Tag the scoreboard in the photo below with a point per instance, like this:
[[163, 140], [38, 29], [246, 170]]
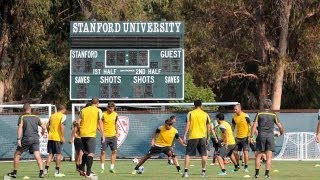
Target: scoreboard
[[126, 60]]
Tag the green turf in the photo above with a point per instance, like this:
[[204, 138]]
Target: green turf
[[161, 170]]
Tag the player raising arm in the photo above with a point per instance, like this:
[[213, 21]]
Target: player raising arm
[[265, 121], [161, 142]]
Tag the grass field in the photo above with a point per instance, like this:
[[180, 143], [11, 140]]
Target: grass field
[[159, 169]]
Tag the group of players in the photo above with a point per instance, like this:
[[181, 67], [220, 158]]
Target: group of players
[[225, 144], [83, 136], [198, 127]]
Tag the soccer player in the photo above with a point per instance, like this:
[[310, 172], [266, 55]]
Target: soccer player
[[198, 126], [265, 121], [228, 143], [241, 122], [28, 139], [76, 139], [88, 122], [110, 130], [215, 140], [55, 129], [161, 142]]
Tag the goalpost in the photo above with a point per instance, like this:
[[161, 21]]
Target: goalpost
[[9, 115], [137, 121], [299, 146]]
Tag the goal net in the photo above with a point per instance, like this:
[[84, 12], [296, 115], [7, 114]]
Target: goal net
[[9, 115], [137, 122], [299, 146]]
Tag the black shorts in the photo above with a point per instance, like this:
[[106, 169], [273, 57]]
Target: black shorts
[[54, 147], [242, 144], [196, 144], [154, 150], [224, 152], [216, 145], [111, 142], [265, 142], [78, 144], [31, 144], [89, 144]]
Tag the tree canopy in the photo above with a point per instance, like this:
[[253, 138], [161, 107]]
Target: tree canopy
[[237, 50]]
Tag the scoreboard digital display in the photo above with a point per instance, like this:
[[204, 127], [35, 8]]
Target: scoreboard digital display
[[127, 65]]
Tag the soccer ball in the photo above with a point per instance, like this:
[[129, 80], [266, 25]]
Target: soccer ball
[[140, 170], [135, 161], [276, 133]]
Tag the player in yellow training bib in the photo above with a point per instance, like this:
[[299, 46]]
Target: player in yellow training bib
[[198, 126], [88, 123], [161, 142], [110, 130], [241, 122], [55, 128]]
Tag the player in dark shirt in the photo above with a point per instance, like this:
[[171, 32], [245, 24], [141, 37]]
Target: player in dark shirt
[[28, 139], [265, 121]]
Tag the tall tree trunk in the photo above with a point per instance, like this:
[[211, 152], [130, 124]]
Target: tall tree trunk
[[285, 8], [260, 39], [4, 40]]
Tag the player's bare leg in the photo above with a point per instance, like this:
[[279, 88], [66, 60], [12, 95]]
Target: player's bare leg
[[58, 164], [175, 160], [78, 159], [186, 166], [16, 159], [258, 162], [268, 162], [246, 160], [236, 156], [203, 164], [102, 160], [142, 160], [48, 161], [37, 156], [113, 160], [221, 163]]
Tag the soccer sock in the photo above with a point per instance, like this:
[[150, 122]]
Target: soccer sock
[[89, 164], [178, 168], [237, 166], [257, 171], [102, 166], [15, 171], [84, 161], [204, 170], [245, 166], [111, 166], [223, 170], [41, 171], [136, 168], [57, 170], [267, 172], [46, 167], [185, 170]]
